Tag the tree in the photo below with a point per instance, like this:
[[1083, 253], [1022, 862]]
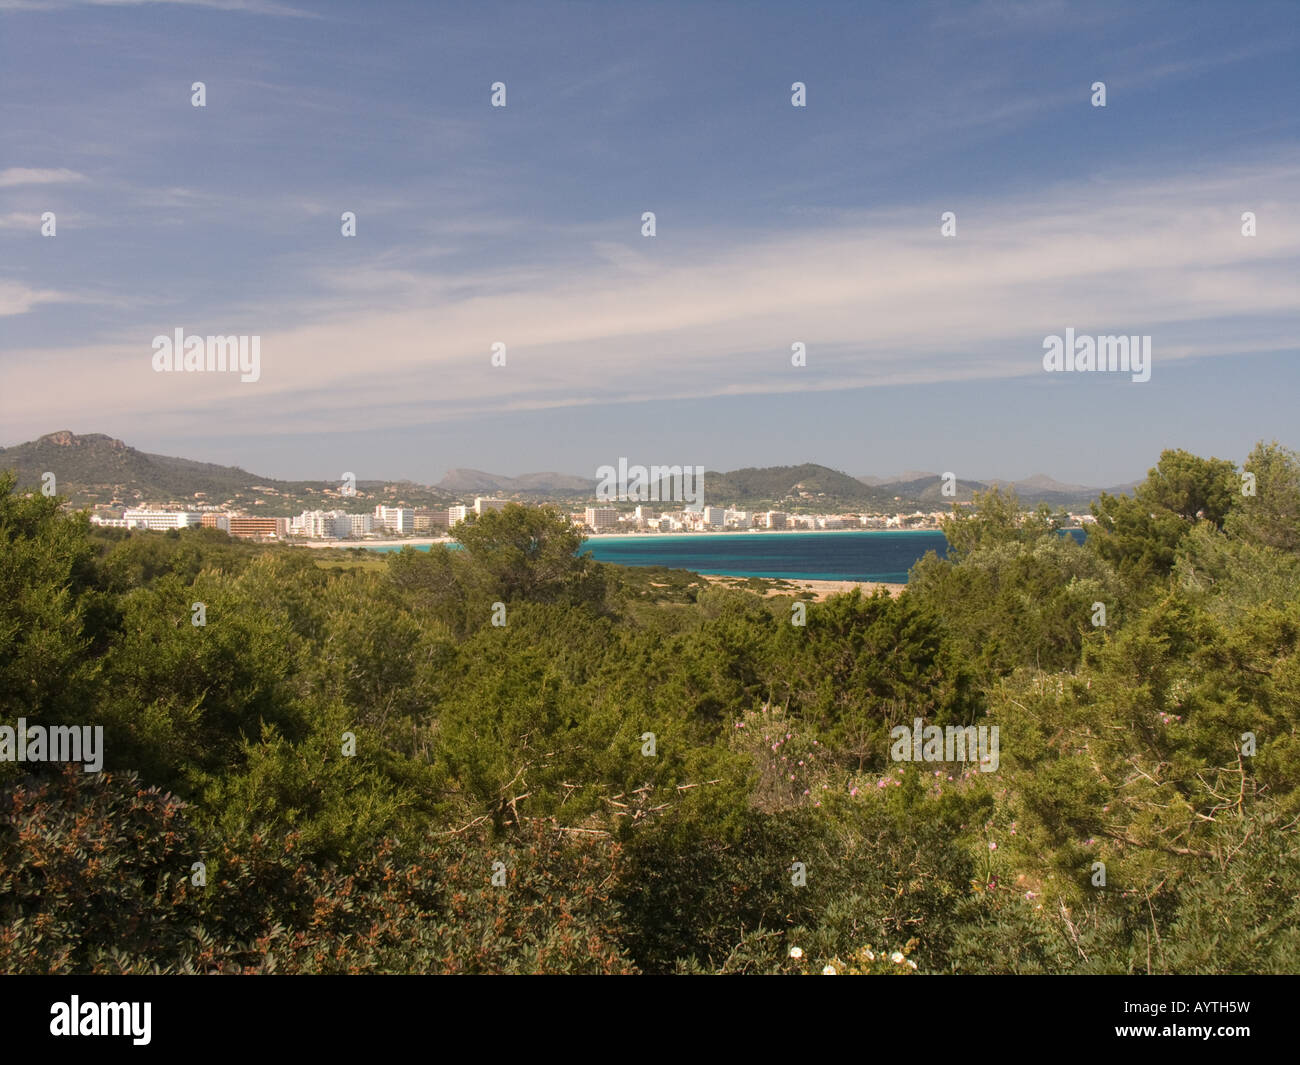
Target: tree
[[46, 593], [996, 517], [1140, 534], [526, 553], [1271, 516]]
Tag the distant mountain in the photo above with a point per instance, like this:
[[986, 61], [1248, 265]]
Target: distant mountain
[[478, 481], [808, 485], [1040, 488], [95, 469], [910, 475]]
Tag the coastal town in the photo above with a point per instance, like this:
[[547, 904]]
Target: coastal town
[[386, 523]]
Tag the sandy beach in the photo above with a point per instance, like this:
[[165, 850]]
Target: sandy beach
[[422, 541], [742, 532], [816, 590]]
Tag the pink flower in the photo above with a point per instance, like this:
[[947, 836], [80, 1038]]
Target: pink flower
[[853, 791]]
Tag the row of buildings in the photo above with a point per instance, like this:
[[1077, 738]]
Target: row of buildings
[[407, 521], [719, 519], [313, 524]]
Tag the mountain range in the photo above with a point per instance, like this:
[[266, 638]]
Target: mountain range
[[94, 469]]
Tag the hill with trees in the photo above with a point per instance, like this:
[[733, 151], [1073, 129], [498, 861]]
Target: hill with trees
[[94, 469]]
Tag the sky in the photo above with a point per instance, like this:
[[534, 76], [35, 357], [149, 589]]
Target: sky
[[774, 225]]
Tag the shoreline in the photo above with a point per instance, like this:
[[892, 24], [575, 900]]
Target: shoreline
[[415, 541], [745, 532], [425, 541]]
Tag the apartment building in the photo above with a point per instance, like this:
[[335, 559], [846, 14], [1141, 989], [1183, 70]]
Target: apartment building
[[321, 525], [258, 528], [428, 521], [146, 518], [601, 519], [395, 519]]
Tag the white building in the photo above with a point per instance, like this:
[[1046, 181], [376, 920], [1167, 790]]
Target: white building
[[774, 519], [715, 517], [395, 519], [481, 504], [322, 525], [108, 523], [361, 524], [456, 514], [145, 518]]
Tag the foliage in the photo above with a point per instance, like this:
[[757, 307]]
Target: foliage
[[350, 750]]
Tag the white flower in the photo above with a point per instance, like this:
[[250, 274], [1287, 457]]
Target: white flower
[[795, 952], [911, 964], [897, 957], [870, 956], [829, 971]]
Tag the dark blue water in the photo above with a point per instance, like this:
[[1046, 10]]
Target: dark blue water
[[848, 556], [845, 556]]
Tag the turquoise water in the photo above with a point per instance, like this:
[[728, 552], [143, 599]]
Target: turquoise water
[[866, 555]]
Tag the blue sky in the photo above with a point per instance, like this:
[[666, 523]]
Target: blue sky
[[775, 224]]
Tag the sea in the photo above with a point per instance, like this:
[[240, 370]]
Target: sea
[[851, 555]]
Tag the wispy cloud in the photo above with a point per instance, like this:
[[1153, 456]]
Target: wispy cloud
[[249, 7], [18, 175], [17, 298], [881, 299]]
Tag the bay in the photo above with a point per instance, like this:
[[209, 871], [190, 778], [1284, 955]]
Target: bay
[[852, 555]]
